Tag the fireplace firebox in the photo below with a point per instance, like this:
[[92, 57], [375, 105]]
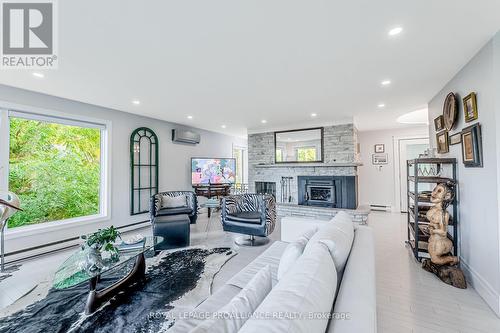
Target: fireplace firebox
[[328, 191]]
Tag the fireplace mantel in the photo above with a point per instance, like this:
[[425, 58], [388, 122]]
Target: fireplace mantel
[[311, 165]]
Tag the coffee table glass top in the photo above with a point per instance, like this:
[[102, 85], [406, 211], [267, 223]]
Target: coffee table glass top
[[73, 271]]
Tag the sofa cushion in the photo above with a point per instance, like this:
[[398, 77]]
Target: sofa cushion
[[173, 211], [293, 252], [232, 316], [309, 288], [340, 230], [168, 201], [246, 217]]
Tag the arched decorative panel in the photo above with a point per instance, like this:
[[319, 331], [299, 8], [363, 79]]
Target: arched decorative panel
[[144, 169]]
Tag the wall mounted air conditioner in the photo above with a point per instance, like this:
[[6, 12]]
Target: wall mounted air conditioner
[[185, 136]]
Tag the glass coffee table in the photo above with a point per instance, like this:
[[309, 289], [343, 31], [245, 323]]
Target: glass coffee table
[[73, 272]]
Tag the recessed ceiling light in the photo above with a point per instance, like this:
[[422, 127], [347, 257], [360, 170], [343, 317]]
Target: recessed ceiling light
[[386, 82], [263, 121], [381, 105], [223, 126], [314, 115], [190, 117], [395, 31], [136, 102], [38, 75]]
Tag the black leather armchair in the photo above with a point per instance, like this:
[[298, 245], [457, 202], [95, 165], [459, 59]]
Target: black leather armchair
[[249, 214], [191, 210]]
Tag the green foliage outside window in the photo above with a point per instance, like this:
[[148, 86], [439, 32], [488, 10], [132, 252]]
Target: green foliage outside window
[[55, 170], [306, 154]]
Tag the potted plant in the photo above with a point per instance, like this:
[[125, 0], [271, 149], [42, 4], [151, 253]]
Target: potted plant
[[101, 241]]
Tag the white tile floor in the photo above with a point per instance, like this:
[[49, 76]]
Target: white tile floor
[[409, 299]]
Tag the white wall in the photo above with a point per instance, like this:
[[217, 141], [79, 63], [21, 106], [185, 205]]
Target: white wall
[[376, 184], [478, 187], [174, 164]]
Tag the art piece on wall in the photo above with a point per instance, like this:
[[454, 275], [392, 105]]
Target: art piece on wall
[[439, 123], [455, 139], [450, 111], [470, 107], [379, 159], [442, 142], [472, 147], [380, 148]]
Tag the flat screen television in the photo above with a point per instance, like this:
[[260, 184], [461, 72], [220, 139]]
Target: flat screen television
[[205, 171]]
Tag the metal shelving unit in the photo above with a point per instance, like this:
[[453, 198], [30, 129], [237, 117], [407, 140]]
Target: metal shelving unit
[[419, 202]]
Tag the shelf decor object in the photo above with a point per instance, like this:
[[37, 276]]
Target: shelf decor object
[[143, 169], [470, 107], [472, 146], [419, 202], [450, 111]]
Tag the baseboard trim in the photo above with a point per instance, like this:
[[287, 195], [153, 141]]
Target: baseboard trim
[[483, 288]]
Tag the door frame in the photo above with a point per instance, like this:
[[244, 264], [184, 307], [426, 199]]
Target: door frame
[[396, 140]]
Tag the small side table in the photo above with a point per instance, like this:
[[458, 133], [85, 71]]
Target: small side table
[[211, 204]]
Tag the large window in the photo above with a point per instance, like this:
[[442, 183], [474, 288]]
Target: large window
[[55, 166], [239, 155]]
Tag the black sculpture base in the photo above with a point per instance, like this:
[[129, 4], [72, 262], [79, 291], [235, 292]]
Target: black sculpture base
[[97, 298]]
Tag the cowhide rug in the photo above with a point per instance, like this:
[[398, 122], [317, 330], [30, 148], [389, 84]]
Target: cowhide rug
[[181, 278]]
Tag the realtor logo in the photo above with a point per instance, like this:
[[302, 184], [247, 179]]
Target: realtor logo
[[28, 34]]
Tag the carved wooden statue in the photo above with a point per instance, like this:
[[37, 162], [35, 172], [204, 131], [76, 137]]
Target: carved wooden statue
[[440, 246], [442, 262]]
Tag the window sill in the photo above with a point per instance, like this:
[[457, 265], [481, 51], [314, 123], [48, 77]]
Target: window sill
[[46, 227]]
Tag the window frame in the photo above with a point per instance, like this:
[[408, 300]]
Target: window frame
[[8, 110]]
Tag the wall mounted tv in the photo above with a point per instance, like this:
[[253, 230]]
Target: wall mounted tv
[[205, 171]]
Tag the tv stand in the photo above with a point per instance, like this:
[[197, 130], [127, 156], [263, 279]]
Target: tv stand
[[212, 190]]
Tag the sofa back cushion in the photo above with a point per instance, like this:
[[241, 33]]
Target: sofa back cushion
[[231, 317], [340, 230], [308, 288], [173, 202]]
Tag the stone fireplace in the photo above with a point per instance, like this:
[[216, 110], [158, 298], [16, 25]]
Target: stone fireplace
[[338, 170]]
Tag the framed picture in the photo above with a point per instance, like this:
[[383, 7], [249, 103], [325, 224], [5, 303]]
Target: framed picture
[[470, 107], [442, 142], [379, 159], [472, 146], [450, 111], [380, 148], [455, 139], [439, 123]]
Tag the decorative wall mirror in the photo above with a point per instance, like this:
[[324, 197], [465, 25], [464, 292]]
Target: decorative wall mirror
[[299, 146], [144, 169]]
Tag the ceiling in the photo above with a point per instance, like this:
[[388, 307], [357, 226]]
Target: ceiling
[[236, 63]]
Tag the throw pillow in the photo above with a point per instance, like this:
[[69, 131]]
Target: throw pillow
[[231, 317], [173, 202], [293, 251]]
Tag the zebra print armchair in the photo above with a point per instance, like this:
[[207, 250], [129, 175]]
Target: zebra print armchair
[[249, 214]]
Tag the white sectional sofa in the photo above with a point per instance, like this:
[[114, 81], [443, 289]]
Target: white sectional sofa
[[317, 294]]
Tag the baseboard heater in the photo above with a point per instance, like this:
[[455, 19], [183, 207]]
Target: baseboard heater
[[15, 257], [381, 208]]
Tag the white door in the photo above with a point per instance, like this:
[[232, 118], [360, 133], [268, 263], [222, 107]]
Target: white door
[[408, 149]]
